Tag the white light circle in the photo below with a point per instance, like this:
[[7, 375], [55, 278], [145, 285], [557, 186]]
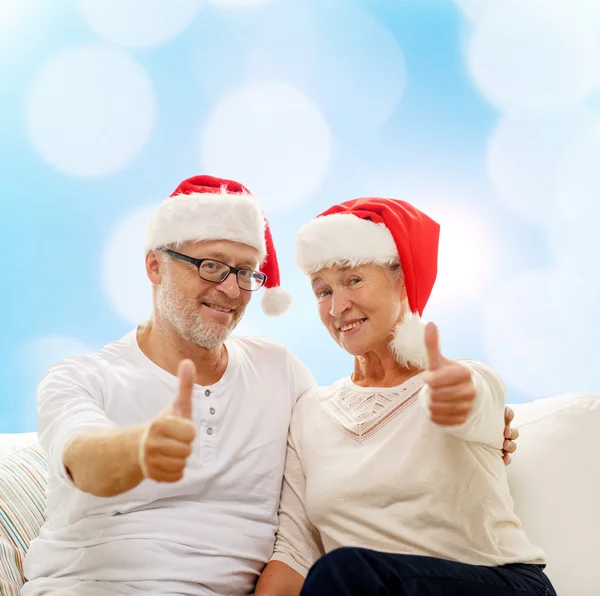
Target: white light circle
[[10, 15], [538, 53], [239, 3], [90, 110], [524, 154], [273, 139], [360, 75], [573, 232], [37, 356], [41, 353], [249, 327], [277, 41], [474, 10], [530, 342], [123, 268], [138, 23], [467, 254], [577, 296], [590, 9]]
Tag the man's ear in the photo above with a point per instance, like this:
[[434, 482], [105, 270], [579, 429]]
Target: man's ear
[[153, 267]]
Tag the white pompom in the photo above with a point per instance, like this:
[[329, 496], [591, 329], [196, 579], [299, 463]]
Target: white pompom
[[408, 344], [275, 301]]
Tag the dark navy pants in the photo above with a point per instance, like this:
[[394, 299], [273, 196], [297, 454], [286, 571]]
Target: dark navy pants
[[362, 572]]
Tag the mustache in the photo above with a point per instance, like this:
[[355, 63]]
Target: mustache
[[218, 301]]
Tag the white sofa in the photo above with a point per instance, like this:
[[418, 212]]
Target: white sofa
[[9, 443], [554, 477]]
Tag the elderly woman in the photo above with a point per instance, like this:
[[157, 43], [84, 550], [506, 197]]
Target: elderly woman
[[394, 479]]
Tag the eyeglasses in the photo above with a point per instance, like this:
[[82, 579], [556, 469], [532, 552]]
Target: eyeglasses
[[217, 272]]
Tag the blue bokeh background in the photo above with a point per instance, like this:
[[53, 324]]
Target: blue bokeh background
[[486, 120]]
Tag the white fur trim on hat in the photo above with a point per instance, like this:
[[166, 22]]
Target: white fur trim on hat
[[339, 238], [275, 301], [204, 216], [408, 345]]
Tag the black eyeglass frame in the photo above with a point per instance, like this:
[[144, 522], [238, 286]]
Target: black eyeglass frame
[[236, 270]]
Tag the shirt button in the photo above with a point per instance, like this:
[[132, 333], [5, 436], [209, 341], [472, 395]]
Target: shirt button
[[207, 392], [209, 431], [212, 410]]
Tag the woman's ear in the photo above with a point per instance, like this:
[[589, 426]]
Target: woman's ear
[[401, 287]]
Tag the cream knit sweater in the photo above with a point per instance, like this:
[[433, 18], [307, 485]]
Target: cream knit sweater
[[366, 467]]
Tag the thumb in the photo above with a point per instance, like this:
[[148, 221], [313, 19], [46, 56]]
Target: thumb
[[432, 343], [182, 404]]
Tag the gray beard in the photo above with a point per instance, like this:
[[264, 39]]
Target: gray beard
[[184, 316]]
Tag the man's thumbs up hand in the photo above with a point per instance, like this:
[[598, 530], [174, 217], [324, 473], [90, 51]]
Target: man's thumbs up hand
[[167, 441], [182, 404]]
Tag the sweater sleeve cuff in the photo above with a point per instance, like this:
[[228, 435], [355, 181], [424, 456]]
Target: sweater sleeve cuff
[[470, 429], [290, 562]]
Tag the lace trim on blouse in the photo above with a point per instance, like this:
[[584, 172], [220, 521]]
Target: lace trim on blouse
[[360, 414]]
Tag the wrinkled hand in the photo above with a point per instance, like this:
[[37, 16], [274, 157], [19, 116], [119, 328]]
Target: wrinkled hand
[[167, 441], [451, 389], [510, 436]]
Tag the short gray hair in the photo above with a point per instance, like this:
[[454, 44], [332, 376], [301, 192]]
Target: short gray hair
[[163, 257]]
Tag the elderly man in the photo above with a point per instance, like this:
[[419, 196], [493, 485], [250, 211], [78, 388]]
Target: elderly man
[[166, 448]]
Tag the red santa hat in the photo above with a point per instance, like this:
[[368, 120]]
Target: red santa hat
[[208, 208], [381, 231]]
